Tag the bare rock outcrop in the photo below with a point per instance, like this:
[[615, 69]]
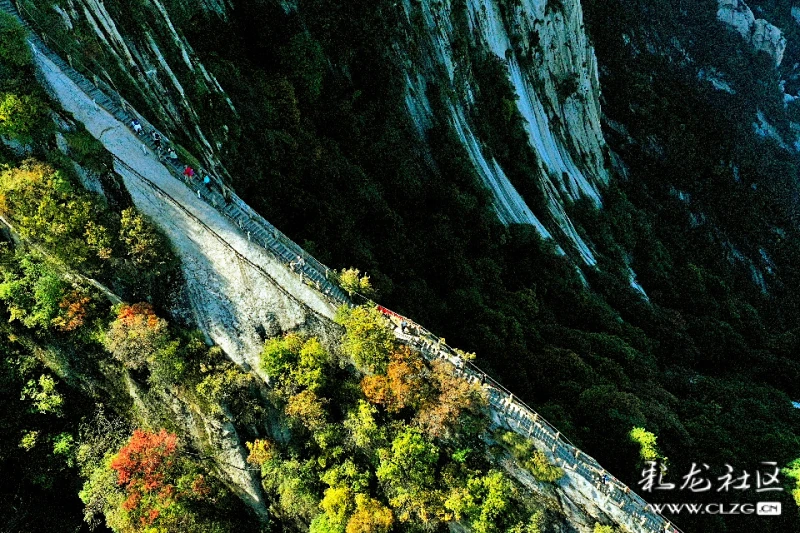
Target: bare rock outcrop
[[761, 34]]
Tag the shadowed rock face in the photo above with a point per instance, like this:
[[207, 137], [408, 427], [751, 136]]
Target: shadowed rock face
[[761, 34], [549, 63], [544, 50]]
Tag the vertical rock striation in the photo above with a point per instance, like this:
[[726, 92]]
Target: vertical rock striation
[[143, 54], [553, 71]]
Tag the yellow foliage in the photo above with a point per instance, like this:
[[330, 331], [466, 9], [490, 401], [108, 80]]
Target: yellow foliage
[[351, 281], [646, 440], [307, 407], [47, 208], [370, 516], [337, 503], [261, 451]]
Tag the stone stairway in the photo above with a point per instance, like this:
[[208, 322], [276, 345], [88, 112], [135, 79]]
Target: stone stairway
[[255, 227], [619, 502]]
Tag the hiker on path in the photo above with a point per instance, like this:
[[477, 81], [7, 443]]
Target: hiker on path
[[171, 154], [137, 128], [188, 172], [298, 264], [157, 141]]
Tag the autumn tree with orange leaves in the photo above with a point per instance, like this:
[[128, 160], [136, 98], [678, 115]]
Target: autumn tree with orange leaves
[[136, 335], [144, 469], [75, 307], [438, 397], [405, 383]]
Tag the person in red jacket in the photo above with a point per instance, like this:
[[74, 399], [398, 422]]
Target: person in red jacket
[[188, 172]]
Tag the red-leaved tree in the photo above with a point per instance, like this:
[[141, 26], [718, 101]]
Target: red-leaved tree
[[146, 468]]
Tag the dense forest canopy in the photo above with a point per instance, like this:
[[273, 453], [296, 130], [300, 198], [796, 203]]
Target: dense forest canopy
[[327, 152]]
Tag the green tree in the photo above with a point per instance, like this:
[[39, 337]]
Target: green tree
[[64, 446], [279, 356], [33, 293], [542, 469], [368, 341], [294, 484], [46, 399], [322, 523], [224, 385], [312, 366], [351, 281], [304, 61], [338, 503], [144, 245], [50, 210], [536, 523], [485, 503], [648, 450], [792, 471], [21, 116], [14, 48], [88, 151], [408, 473], [363, 429]]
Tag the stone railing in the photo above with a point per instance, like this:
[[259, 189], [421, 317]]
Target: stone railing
[[513, 412], [253, 226], [522, 419]]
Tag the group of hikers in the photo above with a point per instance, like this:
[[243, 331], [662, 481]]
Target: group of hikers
[[210, 183], [158, 141], [188, 172]]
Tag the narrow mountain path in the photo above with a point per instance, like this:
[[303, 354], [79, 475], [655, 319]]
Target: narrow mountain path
[[219, 262], [239, 282]]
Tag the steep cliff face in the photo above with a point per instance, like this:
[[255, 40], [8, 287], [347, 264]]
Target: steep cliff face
[[225, 314], [138, 50], [235, 292], [142, 51], [238, 292], [553, 71], [763, 36], [700, 122]]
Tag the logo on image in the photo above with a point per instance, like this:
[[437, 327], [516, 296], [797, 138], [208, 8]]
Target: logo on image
[[768, 508]]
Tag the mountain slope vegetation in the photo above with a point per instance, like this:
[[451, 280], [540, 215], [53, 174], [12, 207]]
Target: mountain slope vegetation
[[327, 152]]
